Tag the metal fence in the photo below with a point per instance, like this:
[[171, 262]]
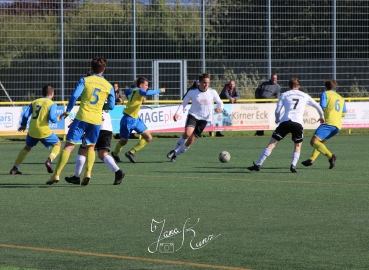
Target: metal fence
[[171, 42]]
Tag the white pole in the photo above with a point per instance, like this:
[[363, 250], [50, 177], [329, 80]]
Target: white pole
[[6, 93]]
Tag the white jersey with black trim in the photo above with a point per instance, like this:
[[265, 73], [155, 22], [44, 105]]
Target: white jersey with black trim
[[294, 102], [202, 103], [106, 123]]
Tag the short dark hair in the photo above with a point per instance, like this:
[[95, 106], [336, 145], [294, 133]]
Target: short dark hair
[[140, 80], [47, 90], [330, 84], [293, 83], [98, 64], [203, 76]]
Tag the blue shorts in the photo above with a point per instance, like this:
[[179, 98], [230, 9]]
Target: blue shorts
[[325, 132], [78, 128], [47, 142], [128, 123]]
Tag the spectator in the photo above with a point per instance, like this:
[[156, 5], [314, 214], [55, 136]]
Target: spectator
[[268, 89], [118, 94], [231, 93]]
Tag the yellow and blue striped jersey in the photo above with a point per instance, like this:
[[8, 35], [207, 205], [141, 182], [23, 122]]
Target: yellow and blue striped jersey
[[135, 98], [94, 90], [41, 110], [334, 108]]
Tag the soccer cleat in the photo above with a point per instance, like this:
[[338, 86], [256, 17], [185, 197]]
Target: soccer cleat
[[332, 161], [173, 158], [307, 162], [48, 166], [130, 156], [73, 180], [52, 180], [293, 168], [86, 180], [119, 175], [254, 167], [14, 170], [116, 157], [171, 154]]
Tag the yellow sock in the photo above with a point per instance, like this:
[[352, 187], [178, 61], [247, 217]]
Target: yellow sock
[[322, 149], [314, 155], [21, 156], [117, 149], [55, 151], [141, 144], [90, 160], [63, 159]]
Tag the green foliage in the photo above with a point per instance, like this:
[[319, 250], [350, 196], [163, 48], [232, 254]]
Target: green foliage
[[356, 90]]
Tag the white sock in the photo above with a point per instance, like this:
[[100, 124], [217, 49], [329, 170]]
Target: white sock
[[182, 149], [109, 161], [295, 158], [80, 161], [266, 153], [179, 143]]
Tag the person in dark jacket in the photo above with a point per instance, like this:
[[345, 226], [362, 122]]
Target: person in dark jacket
[[268, 89]]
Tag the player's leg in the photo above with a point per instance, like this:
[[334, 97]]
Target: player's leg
[[195, 133], [281, 131], [74, 136], [78, 166], [125, 131], [30, 142], [146, 137], [297, 132], [92, 135], [52, 142]]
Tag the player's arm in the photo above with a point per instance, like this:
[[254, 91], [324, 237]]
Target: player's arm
[[152, 92], [53, 116], [218, 101], [278, 109], [318, 107], [75, 95], [26, 115], [181, 107], [323, 100], [110, 102]]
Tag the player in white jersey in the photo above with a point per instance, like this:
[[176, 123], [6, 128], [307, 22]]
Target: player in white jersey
[[293, 102], [198, 115]]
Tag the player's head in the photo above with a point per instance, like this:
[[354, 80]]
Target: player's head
[[330, 85], [294, 83], [142, 83], [98, 64], [204, 81], [47, 90]]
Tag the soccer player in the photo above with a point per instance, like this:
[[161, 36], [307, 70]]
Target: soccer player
[[293, 101], [94, 91], [198, 115], [130, 120], [103, 147], [42, 111], [334, 108]]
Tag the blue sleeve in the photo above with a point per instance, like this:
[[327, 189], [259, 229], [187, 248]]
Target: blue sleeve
[[53, 116], [76, 94], [26, 115], [150, 92], [344, 107], [127, 92], [111, 100], [323, 100]]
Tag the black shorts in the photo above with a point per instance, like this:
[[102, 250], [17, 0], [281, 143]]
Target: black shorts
[[198, 125], [296, 129], [103, 142]]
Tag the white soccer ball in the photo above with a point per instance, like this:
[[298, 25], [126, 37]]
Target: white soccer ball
[[224, 156]]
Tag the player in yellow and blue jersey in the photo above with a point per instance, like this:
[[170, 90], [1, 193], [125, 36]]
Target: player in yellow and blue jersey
[[130, 120], [93, 90], [42, 111], [334, 108]]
